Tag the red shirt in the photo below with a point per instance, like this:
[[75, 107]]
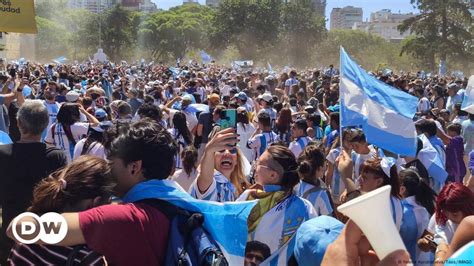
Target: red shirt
[[128, 234]]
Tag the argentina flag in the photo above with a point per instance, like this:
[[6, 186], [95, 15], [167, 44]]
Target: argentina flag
[[226, 222], [468, 101], [431, 160], [384, 113]]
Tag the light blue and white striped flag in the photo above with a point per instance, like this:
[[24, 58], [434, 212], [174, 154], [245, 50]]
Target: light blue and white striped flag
[[430, 158], [205, 57], [468, 101], [384, 113], [226, 222], [60, 60]]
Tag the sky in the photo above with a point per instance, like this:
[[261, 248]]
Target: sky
[[369, 6]]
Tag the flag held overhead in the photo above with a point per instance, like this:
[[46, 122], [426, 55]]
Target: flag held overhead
[[384, 113]]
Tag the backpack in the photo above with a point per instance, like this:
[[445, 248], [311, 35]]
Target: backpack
[[188, 242]]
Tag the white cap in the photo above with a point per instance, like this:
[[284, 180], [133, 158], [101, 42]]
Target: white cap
[[267, 97], [72, 96]]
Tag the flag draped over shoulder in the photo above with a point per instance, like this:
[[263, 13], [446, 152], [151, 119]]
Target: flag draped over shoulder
[[431, 160], [468, 101], [18, 16], [226, 222], [384, 113]]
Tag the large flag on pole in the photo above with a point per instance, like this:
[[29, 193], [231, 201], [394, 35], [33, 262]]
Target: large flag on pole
[[468, 101], [384, 113], [18, 16]]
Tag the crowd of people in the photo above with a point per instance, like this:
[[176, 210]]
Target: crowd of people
[[78, 138]]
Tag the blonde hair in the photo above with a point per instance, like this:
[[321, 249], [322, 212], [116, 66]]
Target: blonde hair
[[238, 177]]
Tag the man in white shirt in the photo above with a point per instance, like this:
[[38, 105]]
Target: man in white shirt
[[298, 132], [52, 106], [423, 102]]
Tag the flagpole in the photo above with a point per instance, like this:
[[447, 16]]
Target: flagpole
[[340, 100]]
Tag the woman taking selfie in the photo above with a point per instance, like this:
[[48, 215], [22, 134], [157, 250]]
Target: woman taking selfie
[[221, 176]]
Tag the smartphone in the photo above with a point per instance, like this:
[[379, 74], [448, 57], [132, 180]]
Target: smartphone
[[229, 119]]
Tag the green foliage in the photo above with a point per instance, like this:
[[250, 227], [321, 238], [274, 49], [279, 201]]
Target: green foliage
[[301, 29], [170, 34], [443, 29], [280, 32], [252, 26], [50, 41], [370, 51]]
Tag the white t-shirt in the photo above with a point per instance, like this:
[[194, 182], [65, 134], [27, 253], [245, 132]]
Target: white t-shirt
[[60, 140], [96, 149], [245, 135], [53, 109], [191, 119], [297, 146], [423, 105], [359, 159], [183, 179]]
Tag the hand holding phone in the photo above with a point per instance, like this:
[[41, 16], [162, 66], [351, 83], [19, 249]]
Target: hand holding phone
[[228, 119]]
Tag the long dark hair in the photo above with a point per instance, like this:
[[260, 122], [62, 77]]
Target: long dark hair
[[310, 160], [68, 115], [189, 157], [93, 137], [179, 123], [416, 186], [283, 122], [242, 118]]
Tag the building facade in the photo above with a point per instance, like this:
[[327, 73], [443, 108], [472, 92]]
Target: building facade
[[213, 3], [385, 24], [344, 18], [96, 6]]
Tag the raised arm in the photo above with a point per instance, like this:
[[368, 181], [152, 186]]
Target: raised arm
[[225, 139]]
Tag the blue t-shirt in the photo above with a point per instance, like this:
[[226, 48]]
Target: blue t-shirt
[[331, 138]]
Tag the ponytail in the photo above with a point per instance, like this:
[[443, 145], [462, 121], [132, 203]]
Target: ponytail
[[87, 177], [189, 158], [286, 160], [416, 186], [310, 160]]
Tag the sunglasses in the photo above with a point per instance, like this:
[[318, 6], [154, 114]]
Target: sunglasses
[[232, 151]]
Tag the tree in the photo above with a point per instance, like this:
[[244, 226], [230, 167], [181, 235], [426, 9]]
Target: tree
[[116, 28], [302, 28], [252, 26], [443, 29], [173, 33], [51, 39]]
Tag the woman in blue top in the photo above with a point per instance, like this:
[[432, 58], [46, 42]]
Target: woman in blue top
[[221, 177], [418, 206], [311, 187]]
